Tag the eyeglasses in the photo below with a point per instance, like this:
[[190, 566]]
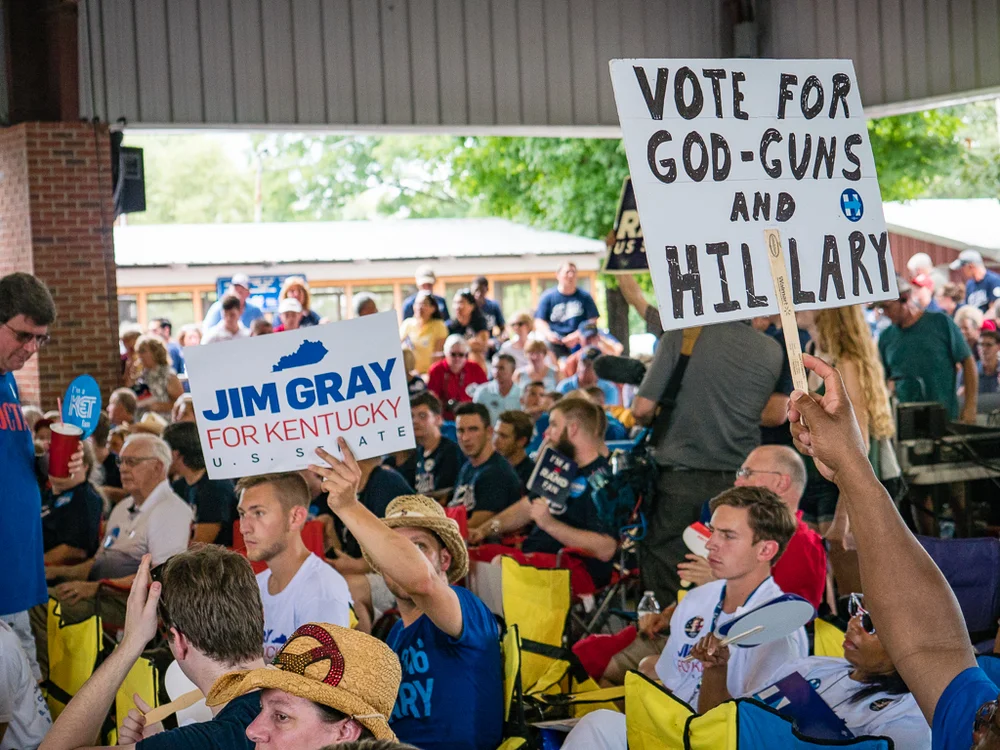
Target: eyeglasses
[[25, 337], [856, 607], [985, 716], [132, 461], [458, 355], [520, 325], [744, 473]]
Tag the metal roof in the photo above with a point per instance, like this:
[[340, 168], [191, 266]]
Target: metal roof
[[954, 223], [339, 242]]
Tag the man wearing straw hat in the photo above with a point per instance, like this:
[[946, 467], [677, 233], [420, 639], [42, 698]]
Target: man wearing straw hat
[[451, 695]]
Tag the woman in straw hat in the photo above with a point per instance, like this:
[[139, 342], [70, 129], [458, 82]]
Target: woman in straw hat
[[327, 685], [451, 695]]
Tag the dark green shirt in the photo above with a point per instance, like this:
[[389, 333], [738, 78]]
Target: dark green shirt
[[922, 358]]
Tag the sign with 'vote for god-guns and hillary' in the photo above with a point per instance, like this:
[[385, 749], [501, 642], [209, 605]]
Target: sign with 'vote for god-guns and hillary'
[[264, 404], [719, 151]]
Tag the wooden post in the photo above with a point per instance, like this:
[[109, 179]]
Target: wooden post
[[782, 289]]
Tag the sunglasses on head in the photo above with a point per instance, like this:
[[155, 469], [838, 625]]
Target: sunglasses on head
[[856, 607]]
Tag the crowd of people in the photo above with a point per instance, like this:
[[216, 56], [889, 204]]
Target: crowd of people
[[140, 535]]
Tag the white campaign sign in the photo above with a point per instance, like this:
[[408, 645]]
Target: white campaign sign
[[719, 151], [264, 404]]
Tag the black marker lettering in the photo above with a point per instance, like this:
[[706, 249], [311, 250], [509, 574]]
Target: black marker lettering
[[857, 245], [654, 102], [739, 208], [716, 75], [720, 147], [770, 136], [841, 88], [737, 77], [881, 245], [696, 174], [798, 295], [720, 250], [800, 169], [784, 95], [752, 299], [762, 206], [786, 207], [655, 141], [811, 110], [825, 156], [852, 141], [688, 110], [684, 282], [831, 269]]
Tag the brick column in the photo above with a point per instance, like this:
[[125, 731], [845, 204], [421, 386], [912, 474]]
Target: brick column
[[56, 214]]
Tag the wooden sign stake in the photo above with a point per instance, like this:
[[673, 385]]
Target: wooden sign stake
[[783, 290]]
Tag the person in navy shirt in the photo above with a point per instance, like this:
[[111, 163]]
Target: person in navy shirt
[[451, 695], [982, 287], [213, 500], [425, 279], [26, 312], [561, 311], [919, 620], [71, 515], [489, 308]]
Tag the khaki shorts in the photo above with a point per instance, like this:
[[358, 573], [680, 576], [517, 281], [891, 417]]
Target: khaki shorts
[[629, 657]]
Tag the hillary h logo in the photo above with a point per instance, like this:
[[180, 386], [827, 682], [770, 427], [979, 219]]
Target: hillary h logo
[[851, 205], [326, 651], [693, 627]]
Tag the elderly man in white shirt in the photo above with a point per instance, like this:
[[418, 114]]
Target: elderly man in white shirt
[[152, 519], [751, 527]]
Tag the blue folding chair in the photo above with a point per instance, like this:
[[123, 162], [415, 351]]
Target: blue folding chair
[[972, 569]]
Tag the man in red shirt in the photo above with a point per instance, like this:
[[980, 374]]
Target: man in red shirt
[[800, 570], [450, 378]]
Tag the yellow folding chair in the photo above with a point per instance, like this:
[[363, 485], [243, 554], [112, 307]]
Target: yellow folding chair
[[654, 719], [73, 653], [715, 730], [828, 640], [143, 679]]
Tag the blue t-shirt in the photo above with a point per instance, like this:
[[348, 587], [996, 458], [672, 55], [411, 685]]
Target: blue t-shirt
[[983, 293], [493, 314], [451, 696], [565, 312], [987, 383], [226, 731], [408, 307], [214, 315], [176, 357], [955, 711], [610, 391], [22, 584]]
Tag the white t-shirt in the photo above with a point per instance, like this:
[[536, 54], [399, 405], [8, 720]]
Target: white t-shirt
[[316, 593], [22, 706], [749, 668], [219, 333], [160, 526], [878, 715], [489, 395]]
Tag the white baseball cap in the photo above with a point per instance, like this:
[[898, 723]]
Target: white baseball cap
[[289, 304], [965, 258], [241, 279]]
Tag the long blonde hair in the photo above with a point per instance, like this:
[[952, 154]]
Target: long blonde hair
[[844, 334]]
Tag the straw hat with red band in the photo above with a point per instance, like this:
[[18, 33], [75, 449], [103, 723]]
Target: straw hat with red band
[[421, 512], [347, 670]]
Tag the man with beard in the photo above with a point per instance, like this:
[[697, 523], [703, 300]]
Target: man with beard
[[574, 431], [447, 639]]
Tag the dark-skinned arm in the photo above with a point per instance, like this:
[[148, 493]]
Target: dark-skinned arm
[[919, 620]]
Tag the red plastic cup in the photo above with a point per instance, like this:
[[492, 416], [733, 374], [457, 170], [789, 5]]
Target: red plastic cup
[[65, 441]]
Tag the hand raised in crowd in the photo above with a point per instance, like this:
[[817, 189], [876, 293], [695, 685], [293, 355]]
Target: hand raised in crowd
[[73, 592], [133, 728], [652, 625], [141, 617], [825, 427], [341, 479], [710, 652], [696, 570]]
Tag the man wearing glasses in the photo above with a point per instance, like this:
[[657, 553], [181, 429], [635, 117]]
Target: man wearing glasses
[[151, 520], [26, 311]]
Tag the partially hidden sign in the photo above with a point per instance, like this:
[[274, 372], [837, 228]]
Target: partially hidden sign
[[264, 404], [627, 254], [81, 405], [552, 476], [719, 151]]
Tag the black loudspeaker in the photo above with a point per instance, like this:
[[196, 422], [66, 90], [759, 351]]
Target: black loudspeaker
[[127, 176]]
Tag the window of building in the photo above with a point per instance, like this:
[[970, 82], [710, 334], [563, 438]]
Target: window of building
[[128, 309], [177, 307], [207, 300], [329, 302], [513, 296]]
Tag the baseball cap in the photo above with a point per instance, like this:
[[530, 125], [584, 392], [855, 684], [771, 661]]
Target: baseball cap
[[923, 281], [425, 275], [289, 304], [587, 329], [965, 258], [241, 279]]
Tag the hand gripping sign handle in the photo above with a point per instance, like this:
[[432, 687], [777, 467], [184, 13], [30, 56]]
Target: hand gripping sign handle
[[185, 701], [732, 639], [776, 255]]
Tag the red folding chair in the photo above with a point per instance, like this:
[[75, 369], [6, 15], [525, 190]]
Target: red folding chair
[[312, 537], [460, 515]]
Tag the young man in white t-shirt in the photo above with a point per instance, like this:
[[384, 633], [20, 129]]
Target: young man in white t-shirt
[[24, 715], [751, 527], [297, 587]]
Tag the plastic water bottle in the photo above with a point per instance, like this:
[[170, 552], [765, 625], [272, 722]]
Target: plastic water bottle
[[648, 605], [947, 523]]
